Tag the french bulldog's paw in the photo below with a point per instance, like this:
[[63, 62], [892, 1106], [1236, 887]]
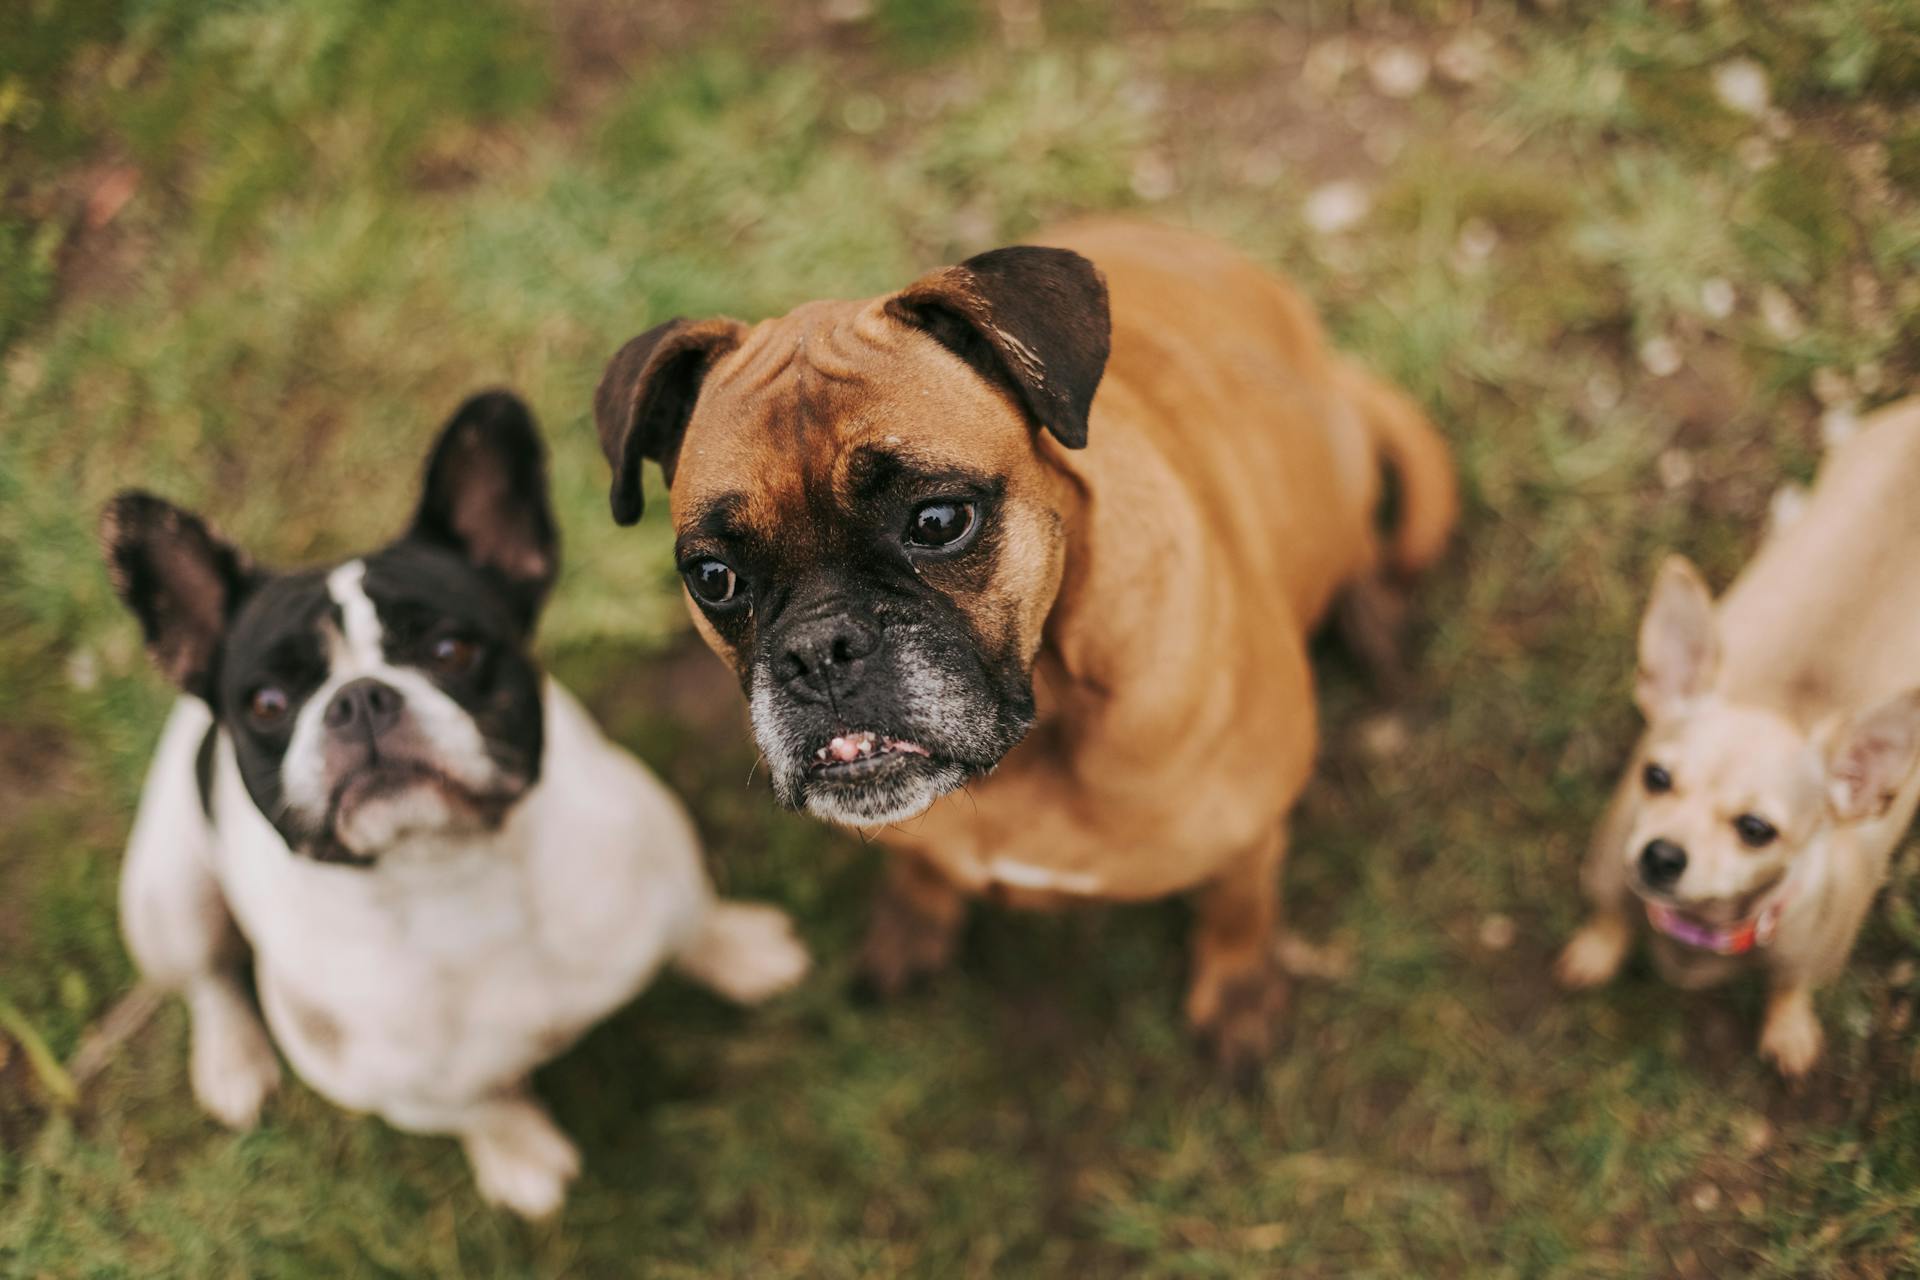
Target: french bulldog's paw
[[902, 947], [232, 1063], [747, 952], [1792, 1039], [521, 1161], [1593, 955], [1236, 1013]]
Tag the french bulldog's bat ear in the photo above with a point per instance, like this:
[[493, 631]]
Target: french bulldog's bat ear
[[485, 496], [1679, 641], [1872, 757], [647, 394], [179, 579], [1033, 320]]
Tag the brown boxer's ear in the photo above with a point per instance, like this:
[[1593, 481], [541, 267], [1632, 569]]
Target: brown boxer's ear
[[1033, 320], [647, 394]]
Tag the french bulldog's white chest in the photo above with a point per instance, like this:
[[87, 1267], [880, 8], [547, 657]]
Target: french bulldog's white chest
[[443, 974]]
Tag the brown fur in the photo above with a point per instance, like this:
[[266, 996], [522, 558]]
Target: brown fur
[[1163, 581]]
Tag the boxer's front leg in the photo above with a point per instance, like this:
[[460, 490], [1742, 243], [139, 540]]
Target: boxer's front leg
[[916, 921]]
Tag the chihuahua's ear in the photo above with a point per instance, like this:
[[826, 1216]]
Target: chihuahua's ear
[[1872, 757], [647, 394], [485, 497], [181, 581], [1679, 642]]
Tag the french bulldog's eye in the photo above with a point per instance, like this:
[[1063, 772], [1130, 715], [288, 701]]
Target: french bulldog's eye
[[1658, 781], [711, 581], [940, 523], [268, 703], [1755, 832], [455, 656]]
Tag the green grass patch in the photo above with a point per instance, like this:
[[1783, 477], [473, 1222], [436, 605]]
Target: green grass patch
[[348, 215]]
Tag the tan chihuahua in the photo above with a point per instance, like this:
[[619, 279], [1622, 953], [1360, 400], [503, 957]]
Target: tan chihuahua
[[1777, 772]]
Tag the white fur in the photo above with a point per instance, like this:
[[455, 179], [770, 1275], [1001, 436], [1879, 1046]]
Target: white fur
[[427, 989], [937, 699], [355, 652]]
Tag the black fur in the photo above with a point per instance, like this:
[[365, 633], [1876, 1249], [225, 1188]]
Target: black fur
[[182, 582], [203, 767], [475, 565], [484, 496], [645, 397], [1029, 319]]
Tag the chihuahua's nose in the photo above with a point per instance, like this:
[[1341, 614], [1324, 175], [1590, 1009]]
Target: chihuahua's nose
[[1661, 863], [365, 704]]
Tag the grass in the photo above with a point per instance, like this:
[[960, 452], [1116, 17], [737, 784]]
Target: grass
[[251, 254]]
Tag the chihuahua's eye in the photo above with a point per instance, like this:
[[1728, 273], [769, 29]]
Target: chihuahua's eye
[[711, 581], [1755, 832], [268, 703], [455, 656], [1658, 781], [940, 524]]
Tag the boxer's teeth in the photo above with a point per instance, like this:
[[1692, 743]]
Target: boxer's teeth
[[846, 748]]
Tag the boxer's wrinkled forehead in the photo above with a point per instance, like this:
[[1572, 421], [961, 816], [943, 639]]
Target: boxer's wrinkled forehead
[[1012, 342], [809, 419]]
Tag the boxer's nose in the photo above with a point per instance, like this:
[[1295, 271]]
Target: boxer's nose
[[824, 655]]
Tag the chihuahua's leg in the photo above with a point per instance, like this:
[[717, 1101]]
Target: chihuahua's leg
[[521, 1160], [1595, 953], [746, 952], [1236, 991], [1791, 1039], [182, 938], [916, 921]]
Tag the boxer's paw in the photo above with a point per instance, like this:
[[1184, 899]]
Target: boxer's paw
[[903, 947], [1235, 1012]]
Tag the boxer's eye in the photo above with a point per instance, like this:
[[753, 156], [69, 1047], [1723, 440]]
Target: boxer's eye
[[1755, 832], [940, 524], [711, 581]]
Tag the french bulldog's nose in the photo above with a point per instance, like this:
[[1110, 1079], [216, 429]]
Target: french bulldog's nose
[[1661, 863], [825, 653], [367, 704]]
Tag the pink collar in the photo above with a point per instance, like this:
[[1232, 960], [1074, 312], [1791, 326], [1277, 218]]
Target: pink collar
[[1756, 930]]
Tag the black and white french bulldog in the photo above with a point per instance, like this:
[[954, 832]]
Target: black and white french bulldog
[[446, 873]]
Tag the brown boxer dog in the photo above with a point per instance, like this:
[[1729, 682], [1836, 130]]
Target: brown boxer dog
[[938, 560]]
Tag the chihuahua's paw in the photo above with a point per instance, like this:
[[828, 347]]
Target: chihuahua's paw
[[747, 952], [1593, 955], [521, 1161], [1236, 1013], [1792, 1039], [232, 1063]]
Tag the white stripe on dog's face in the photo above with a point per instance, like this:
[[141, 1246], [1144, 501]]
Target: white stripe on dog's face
[[360, 644], [356, 649]]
